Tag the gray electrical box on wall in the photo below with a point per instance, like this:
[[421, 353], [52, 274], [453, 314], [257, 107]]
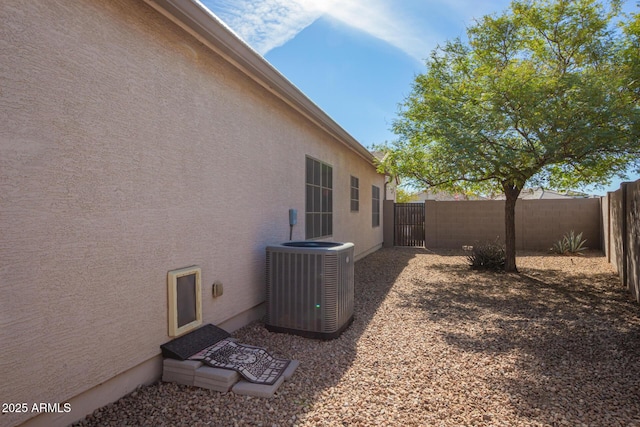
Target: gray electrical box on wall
[[293, 220]]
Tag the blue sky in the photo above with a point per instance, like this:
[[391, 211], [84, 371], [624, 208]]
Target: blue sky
[[356, 59]]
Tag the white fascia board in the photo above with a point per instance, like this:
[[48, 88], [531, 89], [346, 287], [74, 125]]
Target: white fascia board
[[195, 18]]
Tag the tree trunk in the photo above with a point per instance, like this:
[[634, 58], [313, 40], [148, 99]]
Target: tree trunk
[[511, 193]]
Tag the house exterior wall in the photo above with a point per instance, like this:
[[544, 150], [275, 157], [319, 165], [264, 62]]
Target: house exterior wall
[[129, 149], [539, 223]]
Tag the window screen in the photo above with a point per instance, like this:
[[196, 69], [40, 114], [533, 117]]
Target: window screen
[[319, 199], [375, 206], [355, 194]]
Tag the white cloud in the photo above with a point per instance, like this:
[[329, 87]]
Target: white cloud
[[267, 24], [384, 20], [264, 24]]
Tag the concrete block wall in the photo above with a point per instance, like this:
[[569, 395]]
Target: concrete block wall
[[622, 233], [615, 230], [456, 223], [544, 222], [604, 225], [610, 223], [539, 223], [633, 238]]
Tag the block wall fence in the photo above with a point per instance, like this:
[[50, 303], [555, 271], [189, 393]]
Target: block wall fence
[[539, 223], [621, 231], [610, 223]]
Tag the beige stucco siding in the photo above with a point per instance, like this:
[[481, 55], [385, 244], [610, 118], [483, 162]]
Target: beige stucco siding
[[129, 149]]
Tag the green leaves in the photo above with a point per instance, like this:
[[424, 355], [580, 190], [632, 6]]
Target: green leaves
[[545, 92], [570, 243]]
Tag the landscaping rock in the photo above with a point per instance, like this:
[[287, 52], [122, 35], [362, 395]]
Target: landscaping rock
[[435, 343]]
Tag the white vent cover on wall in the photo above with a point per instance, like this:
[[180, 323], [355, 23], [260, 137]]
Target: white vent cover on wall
[[185, 300], [310, 288]]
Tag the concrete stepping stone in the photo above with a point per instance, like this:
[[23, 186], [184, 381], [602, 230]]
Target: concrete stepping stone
[[246, 388], [195, 373], [217, 374], [288, 373], [189, 366], [215, 378], [261, 390], [212, 385], [179, 371]]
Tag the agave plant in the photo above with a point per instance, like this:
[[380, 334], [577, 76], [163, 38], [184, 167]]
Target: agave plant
[[570, 243]]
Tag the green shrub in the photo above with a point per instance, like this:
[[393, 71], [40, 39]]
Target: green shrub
[[487, 256], [570, 243]]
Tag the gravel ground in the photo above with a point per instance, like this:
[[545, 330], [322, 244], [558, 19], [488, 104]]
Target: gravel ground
[[436, 344]]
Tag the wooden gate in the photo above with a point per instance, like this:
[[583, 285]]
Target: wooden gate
[[409, 224]]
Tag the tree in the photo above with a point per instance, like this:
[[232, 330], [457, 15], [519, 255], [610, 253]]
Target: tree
[[538, 95], [404, 196], [630, 56]]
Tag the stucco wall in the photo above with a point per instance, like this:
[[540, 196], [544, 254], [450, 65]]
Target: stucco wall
[[129, 149], [539, 223]]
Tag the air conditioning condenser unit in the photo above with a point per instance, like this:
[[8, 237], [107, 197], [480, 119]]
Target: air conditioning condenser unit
[[310, 288]]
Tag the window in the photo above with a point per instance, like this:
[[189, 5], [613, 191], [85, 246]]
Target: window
[[355, 194], [375, 206], [319, 203]]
